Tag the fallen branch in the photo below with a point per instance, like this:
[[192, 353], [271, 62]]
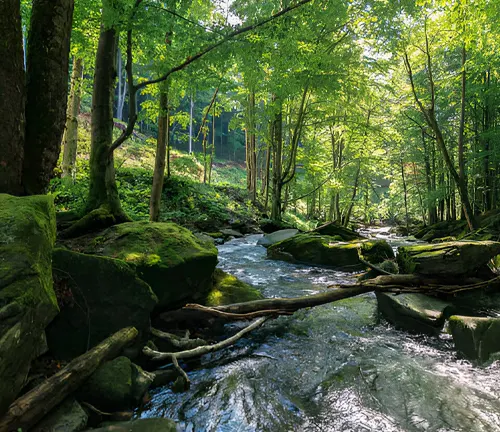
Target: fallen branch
[[197, 352], [236, 316], [374, 267], [26, 411], [178, 342]]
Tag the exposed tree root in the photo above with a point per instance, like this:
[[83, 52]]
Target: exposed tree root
[[182, 343], [96, 220]]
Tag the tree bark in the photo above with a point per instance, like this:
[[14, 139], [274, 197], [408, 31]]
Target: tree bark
[[25, 412], [47, 88], [277, 147], [71, 134], [12, 100], [103, 191], [161, 150]]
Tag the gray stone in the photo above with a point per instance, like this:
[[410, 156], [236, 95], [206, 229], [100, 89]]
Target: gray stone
[[231, 233], [277, 236], [416, 313], [476, 338], [67, 417]]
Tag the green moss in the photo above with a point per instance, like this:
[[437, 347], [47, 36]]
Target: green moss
[[324, 250], [228, 289]]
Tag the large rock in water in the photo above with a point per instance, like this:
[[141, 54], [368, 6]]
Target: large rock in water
[[447, 259], [324, 250], [476, 338], [98, 296], [229, 289], [27, 299], [416, 313], [116, 385], [336, 230], [277, 236], [177, 265]]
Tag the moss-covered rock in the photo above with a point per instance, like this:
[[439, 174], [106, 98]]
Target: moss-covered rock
[[177, 265], [334, 229], [326, 251], [476, 338], [388, 265], [229, 289], [416, 313], [27, 299], [447, 259], [116, 385], [141, 425], [98, 296]]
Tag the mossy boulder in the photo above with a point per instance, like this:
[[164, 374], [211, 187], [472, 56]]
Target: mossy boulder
[[449, 259], [327, 251], [229, 289], [141, 425], [476, 338], [98, 296], [27, 299], [116, 385], [334, 229], [177, 265], [388, 265], [415, 313]]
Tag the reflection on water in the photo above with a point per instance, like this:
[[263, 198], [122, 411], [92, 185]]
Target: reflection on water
[[330, 368]]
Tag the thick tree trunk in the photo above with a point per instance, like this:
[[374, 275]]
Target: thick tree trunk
[[103, 192], [25, 412], [47, 88], [12, 98], [71, 134], [161, 150], [251, 155]]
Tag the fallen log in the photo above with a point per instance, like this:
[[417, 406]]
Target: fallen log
[[26, 411], [178, 342]]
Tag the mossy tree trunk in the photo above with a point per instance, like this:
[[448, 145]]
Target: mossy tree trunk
[[12, 98], [103, 192], [71, 135], [46, 85], [161, 150]]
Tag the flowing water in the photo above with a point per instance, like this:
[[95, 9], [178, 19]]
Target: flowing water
[[330, 368]]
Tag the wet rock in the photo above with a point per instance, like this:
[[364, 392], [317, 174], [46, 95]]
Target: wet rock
[[67, 417], [142, 425], [476, 338], [100, 296], [450, 259], [169, 258], [326, 251], [117, 385], [228, 289], [269, 226], [277, 236], [231, 233], [27, 299], [416, 313], [333, 229]]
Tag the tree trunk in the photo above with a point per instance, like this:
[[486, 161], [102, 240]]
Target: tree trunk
[[161, 149], [71, 134], [25, 412], [103, 191], [461, 132], [251, 156], [191, 108], [47, 88], [277, 145], [12, 98]]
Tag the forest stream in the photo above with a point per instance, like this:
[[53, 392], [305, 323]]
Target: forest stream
[[330, 368]]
